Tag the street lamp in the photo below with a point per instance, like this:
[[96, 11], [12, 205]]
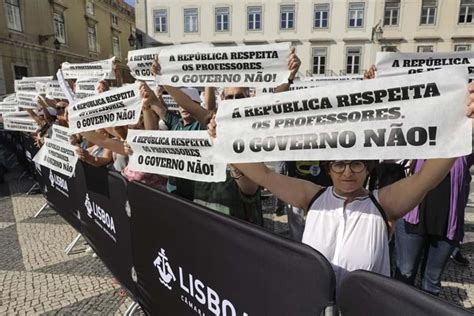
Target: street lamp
[[131, 40], [377, 32], [44, 38]]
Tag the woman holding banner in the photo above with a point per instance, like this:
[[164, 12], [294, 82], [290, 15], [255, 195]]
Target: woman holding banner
[[348, 224]]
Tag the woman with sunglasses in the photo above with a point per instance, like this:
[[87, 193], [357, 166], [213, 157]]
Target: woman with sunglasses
[[345, 222]]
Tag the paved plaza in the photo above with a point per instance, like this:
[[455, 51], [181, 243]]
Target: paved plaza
[[37, 277]]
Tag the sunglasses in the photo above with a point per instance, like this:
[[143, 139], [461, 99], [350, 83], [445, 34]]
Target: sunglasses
[[235, 96]]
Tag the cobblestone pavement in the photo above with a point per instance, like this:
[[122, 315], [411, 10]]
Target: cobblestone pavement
[[38, 278]]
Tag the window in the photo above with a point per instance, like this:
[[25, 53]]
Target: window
[[425, 49], [116, 46], [13, 15], [466, 11], [222, 19], [389, 48], [161, 21], [428, 12], [287, 17], [254, 16], [59, 28], [353, 60], [356, 14], [321, 15], [114, 20], [319, 60], [191, 20], [20, 72], [89, 7], [391, 13], [462, 48], [92, 38]]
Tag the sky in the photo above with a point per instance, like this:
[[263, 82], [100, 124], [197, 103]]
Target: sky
[[131, 2]]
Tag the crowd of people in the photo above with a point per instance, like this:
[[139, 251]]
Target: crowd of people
[[347, 210]]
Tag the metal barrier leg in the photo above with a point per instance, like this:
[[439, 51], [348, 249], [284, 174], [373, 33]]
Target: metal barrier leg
[[23, 174], [72, 244], [40, 210], [35, 186], [131, 309]]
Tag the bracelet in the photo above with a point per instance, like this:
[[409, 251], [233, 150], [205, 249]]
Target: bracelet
[[290, 81]]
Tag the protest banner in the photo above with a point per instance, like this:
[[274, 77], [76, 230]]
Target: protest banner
[[86, 87], [10, 98], [21, 124], [100, 68], [234, 66], [170, 102], [183, 154], [394, 64], [41, 87], [27, 99], [112, 108], [311, 82], [53, 90], [70, 95], [140, 62], [8, 107], [29, 83], [60, 133], [58, 156], [16, 114], [402, 117]]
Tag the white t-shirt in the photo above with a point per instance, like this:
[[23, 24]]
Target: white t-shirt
[[351, 236]]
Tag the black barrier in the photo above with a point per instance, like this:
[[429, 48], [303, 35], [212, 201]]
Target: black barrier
[[62, 193], [366, 293], [104, 220], [190, 260]]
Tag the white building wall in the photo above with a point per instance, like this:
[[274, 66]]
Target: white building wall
[[406, 36]]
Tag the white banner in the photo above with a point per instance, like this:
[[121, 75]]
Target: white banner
[[100, 68], [394, 64], [58, 156], [60, 133], [27, 99], [402, 117], [29, 83], [116, 107], [140, 62], [65, 86], [8, 107], [54, 90], [21, 124], [174, 153], [233, 66], [311, 82], [170, 102]]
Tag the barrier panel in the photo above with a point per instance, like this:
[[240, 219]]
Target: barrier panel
[[62, 192], [366, 293], [190, 260], [104, 220]]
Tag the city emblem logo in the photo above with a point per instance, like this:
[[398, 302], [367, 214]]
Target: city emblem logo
[[164, 268], [88, 205]]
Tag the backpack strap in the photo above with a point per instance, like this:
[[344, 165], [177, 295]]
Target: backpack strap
[[381, 210], [318, 194]]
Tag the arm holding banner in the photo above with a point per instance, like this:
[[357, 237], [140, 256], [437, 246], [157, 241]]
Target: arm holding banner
[[402, 196], [101, 140], [210, 98], [95, 161], [182, 99], [293, 66], [196, 110]]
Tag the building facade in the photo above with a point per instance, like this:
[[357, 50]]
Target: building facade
[[332, 37], [36, 36]]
